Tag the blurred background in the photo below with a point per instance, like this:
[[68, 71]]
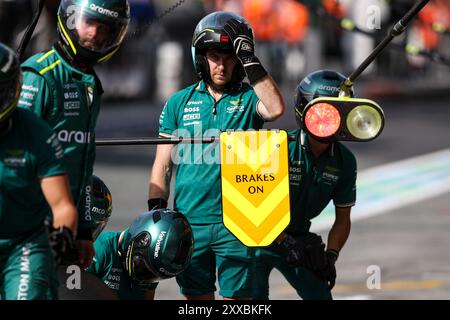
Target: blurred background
[[293, 39], [402, 216]]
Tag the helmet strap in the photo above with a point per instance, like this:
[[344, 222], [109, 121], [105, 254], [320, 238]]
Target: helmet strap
[[64, 52], [72, 60]]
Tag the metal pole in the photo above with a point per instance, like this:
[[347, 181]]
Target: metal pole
[[152, 141], [349, 25], [156, 141], [398, 29]]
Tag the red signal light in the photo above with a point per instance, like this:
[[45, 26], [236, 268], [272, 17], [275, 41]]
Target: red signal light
[[322, 120]]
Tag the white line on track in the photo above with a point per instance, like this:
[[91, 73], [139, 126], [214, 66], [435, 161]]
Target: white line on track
[[385, 188]]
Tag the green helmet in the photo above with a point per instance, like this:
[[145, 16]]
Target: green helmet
[[101, 205], [80, 40], [10, 82], [158, 245], [210, 34], [321, 83]]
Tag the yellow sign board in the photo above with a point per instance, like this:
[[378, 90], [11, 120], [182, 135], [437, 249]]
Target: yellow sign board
[[255, 184]]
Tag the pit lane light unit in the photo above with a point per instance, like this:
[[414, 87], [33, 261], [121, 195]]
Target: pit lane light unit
[[343, 119]]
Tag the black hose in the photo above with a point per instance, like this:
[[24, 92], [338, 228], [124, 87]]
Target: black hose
[[29, 31]]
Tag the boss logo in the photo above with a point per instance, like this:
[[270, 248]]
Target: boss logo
[[71, 95], [192, 109]]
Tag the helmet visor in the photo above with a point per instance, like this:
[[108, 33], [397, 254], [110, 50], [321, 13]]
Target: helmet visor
[[209, 32], [140, 267], [302, 99], [93, 27], [141, 271]]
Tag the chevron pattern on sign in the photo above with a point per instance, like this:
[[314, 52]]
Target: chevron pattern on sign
[[255, 185], [265, 233], [263, 206]]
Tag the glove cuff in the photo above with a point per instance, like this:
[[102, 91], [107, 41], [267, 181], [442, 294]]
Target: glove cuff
[[156, 203], [332, 254], [254, 71]]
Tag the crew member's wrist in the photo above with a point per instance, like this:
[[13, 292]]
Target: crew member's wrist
[[332, 255], [254, 71]]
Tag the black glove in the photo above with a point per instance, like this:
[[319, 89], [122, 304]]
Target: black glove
[[62, 244], [295, 250], [312, 257], [310, 254], [156, 203], [328, 273], [315, 251], [241, 36]]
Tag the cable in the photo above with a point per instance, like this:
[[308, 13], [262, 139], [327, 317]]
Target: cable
[[29, 31]]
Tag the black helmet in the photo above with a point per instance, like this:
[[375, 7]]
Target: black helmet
[[158, 245], [10, 82], [321, 83], [112, 14], [210, 34], [101, 205]]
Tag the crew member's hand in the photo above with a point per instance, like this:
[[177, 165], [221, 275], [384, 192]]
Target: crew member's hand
[[61, 243], [328, 274], [241, 35], [295, 250]]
